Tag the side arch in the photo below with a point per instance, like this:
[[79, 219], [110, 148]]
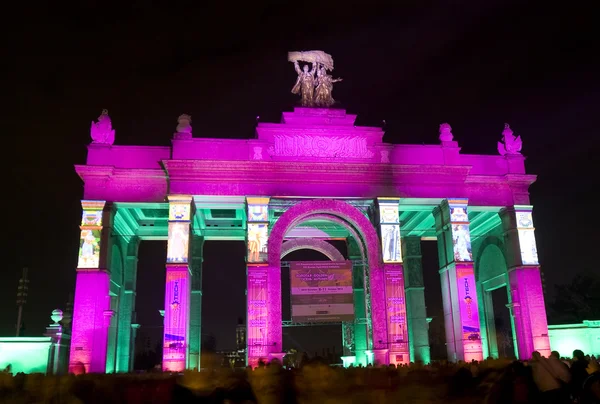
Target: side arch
[[312, 244], [491, 273], [490, 261]]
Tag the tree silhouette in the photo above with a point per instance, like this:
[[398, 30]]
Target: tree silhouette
[[576, 301], [209, 343]]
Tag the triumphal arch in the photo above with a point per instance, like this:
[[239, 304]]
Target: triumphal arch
[[313, 177]]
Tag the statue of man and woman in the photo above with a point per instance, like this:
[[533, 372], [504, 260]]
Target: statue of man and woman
[[314, 86]]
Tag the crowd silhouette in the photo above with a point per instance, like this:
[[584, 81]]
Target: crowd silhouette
[[538, 380]]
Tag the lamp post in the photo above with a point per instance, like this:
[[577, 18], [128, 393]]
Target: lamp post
[[21, 298]]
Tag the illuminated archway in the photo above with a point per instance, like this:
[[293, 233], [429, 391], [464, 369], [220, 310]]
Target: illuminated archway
[[312, 244], [365, 234]]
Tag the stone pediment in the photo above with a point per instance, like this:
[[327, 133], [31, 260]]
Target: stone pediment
[[319, 133]]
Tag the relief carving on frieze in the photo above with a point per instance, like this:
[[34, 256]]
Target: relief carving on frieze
[[320, 146]]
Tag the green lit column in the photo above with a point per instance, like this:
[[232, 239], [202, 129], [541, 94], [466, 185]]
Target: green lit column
[[194, 361], [416, 313], [126, 310], [360, 345]]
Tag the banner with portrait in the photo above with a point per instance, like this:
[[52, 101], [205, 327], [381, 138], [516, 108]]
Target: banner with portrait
[[257, 230], [527, 243], [389, 223], [461, 235]]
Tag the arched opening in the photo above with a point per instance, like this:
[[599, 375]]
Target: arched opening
[[149, 302], [498, 337], [300, 339], [116, 275], [362, 231]]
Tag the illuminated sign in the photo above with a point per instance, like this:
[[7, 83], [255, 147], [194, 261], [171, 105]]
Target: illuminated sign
[[258, 229], [257, 312], [461, 236], [178, 245], [258, 238], [91, 234], [527, 244], [389, 222], [176, 319], [321, 291], [396, 311], [89, 249], [469, 312]]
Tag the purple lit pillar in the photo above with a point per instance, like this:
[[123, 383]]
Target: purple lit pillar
[[264, 332], [459, 294], [177, 286], [396, 350], [397, 328], [89, 336], [527, 307]]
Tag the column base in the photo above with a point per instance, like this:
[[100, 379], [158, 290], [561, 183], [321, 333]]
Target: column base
[[276, 355], [381, 356], [398, 358], [348, 361]]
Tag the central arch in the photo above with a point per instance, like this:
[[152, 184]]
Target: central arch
[[364, 232], [312, 244]]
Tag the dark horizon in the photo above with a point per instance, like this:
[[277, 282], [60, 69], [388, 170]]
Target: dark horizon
[[473, 65]]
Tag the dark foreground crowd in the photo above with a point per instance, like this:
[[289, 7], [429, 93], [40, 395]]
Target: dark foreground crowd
[[539, 380]]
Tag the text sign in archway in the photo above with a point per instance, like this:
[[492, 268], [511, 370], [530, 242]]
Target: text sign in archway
[[321, 291]]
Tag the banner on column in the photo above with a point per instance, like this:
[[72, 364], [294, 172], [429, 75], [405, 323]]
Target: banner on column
[[396, 311], [178, 244], [91, 234], [527, 244], [461, 236], [257, 312], [321, 291], [389, 222], [469, 312], [176, 317], [258, 229]]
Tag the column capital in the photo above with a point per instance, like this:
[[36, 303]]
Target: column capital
[[179, 198]]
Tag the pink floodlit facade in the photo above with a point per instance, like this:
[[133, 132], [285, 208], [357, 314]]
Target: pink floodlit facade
[[313, 177]]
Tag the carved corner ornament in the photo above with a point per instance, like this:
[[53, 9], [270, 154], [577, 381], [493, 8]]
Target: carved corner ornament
[[446, 132], [510, 144], [184, 127], [102, 131]]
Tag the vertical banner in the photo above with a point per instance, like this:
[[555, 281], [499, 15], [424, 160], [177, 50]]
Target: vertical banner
[[469, 312], [389, 222], [461, 237], [91, 233], [178, 285], [396, 314], [257, 313], [258, 229], [527, 244], [178, 246], [177, 294]]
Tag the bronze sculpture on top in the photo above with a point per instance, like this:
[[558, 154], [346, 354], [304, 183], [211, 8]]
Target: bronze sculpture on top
[[315, 86]]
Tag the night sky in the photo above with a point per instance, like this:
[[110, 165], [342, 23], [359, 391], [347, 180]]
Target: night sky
[[474, 64]]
